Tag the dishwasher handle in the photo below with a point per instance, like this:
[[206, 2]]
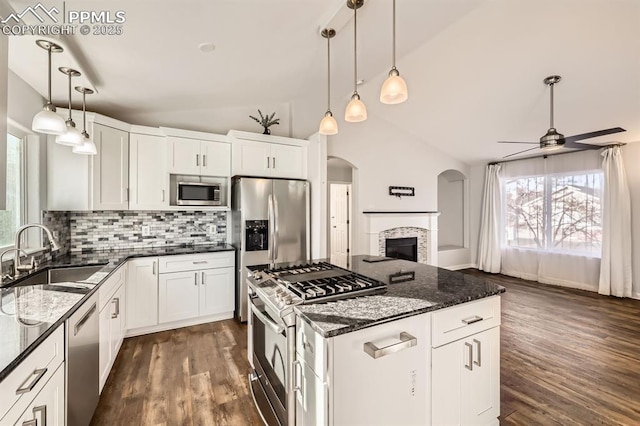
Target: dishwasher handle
[[83, 320]]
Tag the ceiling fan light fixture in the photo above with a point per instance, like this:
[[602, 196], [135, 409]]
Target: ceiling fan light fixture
[[552, 140], [394, 89], [47, 121]]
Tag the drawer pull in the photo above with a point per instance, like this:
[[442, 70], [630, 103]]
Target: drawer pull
[[479, 361], [406, 341], [470, 365], [24, 388], [471, 320], [200, 262], [42, 409]]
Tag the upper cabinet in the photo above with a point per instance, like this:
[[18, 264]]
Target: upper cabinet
[[110, 168], [270, 156], [148, 172], [198, 154]]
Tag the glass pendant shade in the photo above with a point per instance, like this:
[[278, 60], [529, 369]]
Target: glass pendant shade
[[72, 137], [394, 90], [48, 122], [328, 125], [356, 111], [87, 147]]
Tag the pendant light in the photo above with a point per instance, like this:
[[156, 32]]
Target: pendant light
[[356, 111], [72, 136], [328, 125], [47, 121], [87, 147], [394, 88]]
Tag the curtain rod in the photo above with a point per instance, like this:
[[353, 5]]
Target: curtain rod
[[493, 163]]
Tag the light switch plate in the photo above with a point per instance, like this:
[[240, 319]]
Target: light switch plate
[[146, 230], [213, 229]]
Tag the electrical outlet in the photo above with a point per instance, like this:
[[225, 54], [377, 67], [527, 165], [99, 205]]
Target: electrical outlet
[[146, 230], [213, 229]]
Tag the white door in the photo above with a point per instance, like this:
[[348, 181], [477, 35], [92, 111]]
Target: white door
[[110, 169], [216, 158], [48, 407], [142, 293], [217, 291], [339, 221], [287, 161], [178, 296], [251, 158], [149, 174], [184, 156]]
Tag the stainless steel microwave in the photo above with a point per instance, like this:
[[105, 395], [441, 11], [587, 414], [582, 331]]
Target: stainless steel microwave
[[198, 194]]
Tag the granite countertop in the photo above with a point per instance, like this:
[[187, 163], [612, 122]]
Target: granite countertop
[[412, 289], [30, 313]]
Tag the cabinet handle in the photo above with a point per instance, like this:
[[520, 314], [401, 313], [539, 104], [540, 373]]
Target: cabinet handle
[[116, 301], [33, 422], [163, 195], [296, 382], [83, 320], [204, 160], [470, 365], [406, 341], [199, 262], [202, 281], [196, 278], [268, 167], [42, 409], [126, 194], [198, 160], [274, 162], [471, 320], [153, 268], [479, 350], [24, 388]]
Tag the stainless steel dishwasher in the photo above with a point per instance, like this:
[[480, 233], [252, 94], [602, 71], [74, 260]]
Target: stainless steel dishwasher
[[83, 363]]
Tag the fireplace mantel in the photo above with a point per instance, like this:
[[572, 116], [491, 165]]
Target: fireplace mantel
[[380, 221]]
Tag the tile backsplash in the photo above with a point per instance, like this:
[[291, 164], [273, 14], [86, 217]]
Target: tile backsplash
[[108, 230]]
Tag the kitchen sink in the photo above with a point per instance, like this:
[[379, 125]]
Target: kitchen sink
[[61, 275]]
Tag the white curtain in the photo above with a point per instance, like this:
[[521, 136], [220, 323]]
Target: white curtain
[[489, 243], [615, 269]]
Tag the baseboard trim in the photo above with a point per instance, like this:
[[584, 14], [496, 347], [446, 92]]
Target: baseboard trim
[[458, 267], [177, 324], [636, 296]]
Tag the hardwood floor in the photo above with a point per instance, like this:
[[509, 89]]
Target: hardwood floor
[[569, 357], [190, 376]]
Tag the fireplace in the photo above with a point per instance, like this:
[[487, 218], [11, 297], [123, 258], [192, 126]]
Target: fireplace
[[402, 248]]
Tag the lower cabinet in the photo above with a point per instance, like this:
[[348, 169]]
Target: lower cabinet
[[217, 291], [111, 332], [142, 293], [48, 407]]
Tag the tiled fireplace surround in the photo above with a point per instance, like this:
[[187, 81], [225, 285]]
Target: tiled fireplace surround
[[422, 225]]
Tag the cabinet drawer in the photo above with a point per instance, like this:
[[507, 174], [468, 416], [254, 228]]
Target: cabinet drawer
[[107, 288], [464, 320], [23, 384], [192, 262], [311, 348]]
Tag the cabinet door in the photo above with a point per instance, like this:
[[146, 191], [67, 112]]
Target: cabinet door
[[466, 375], [391, 389], [149, 174], [110, 169], [184, 156], [48, 407], [251, 158], [311, 398], [116, 324], [288, 161], [216, 158], [217, 291], [142, 293], [178, 296], [105, 361]]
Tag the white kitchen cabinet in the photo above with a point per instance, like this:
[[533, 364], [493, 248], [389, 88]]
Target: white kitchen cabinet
[[48, 407], [268, 156], [178, 297], [111, 332], [217, 291], [142, 293], [198, 157], [312, 398], [466, 364], [148, 172], [110, 168]]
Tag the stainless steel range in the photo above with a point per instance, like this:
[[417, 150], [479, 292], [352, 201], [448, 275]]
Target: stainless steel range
[[272, 295]]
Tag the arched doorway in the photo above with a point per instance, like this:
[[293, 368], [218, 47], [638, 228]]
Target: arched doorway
[[340, 202], [453, 222]]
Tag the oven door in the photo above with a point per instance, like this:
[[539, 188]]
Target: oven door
[[271, 361]]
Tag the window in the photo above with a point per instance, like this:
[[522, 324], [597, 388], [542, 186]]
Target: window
[[560, 213], [12, 218]]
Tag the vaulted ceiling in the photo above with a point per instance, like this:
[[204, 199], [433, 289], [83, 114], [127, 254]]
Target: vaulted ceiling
[[474, 67]]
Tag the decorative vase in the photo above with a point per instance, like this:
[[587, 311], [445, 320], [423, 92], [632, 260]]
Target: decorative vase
[[266, 131]]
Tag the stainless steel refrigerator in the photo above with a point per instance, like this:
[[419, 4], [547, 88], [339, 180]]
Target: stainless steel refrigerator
[[270, 225]]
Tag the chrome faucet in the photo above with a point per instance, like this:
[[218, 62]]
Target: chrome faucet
[[17, 267], [15, 259]]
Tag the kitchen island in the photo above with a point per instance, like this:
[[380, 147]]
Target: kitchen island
[[423, 350]]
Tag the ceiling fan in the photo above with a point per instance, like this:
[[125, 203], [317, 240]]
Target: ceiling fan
[[553, 140]]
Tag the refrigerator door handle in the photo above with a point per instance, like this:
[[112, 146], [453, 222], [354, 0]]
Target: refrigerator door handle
[[276, 228], [270, 218]]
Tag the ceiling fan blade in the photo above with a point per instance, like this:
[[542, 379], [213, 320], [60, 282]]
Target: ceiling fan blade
[[520, 152], [578, 145], [571, 139], [528, 143]]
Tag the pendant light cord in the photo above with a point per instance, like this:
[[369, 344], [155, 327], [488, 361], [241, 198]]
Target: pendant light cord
[[551, 109], [49, 51], [328, 73], [394, 36], [84, 111], [70, 96], [355, 46]]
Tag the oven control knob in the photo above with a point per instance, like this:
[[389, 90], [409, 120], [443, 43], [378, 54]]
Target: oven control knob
[[287, 300]]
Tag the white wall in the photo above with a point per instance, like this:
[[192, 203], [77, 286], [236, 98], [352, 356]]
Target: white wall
[[384, 156], [476, 191], [338, 171], [451, 208]]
